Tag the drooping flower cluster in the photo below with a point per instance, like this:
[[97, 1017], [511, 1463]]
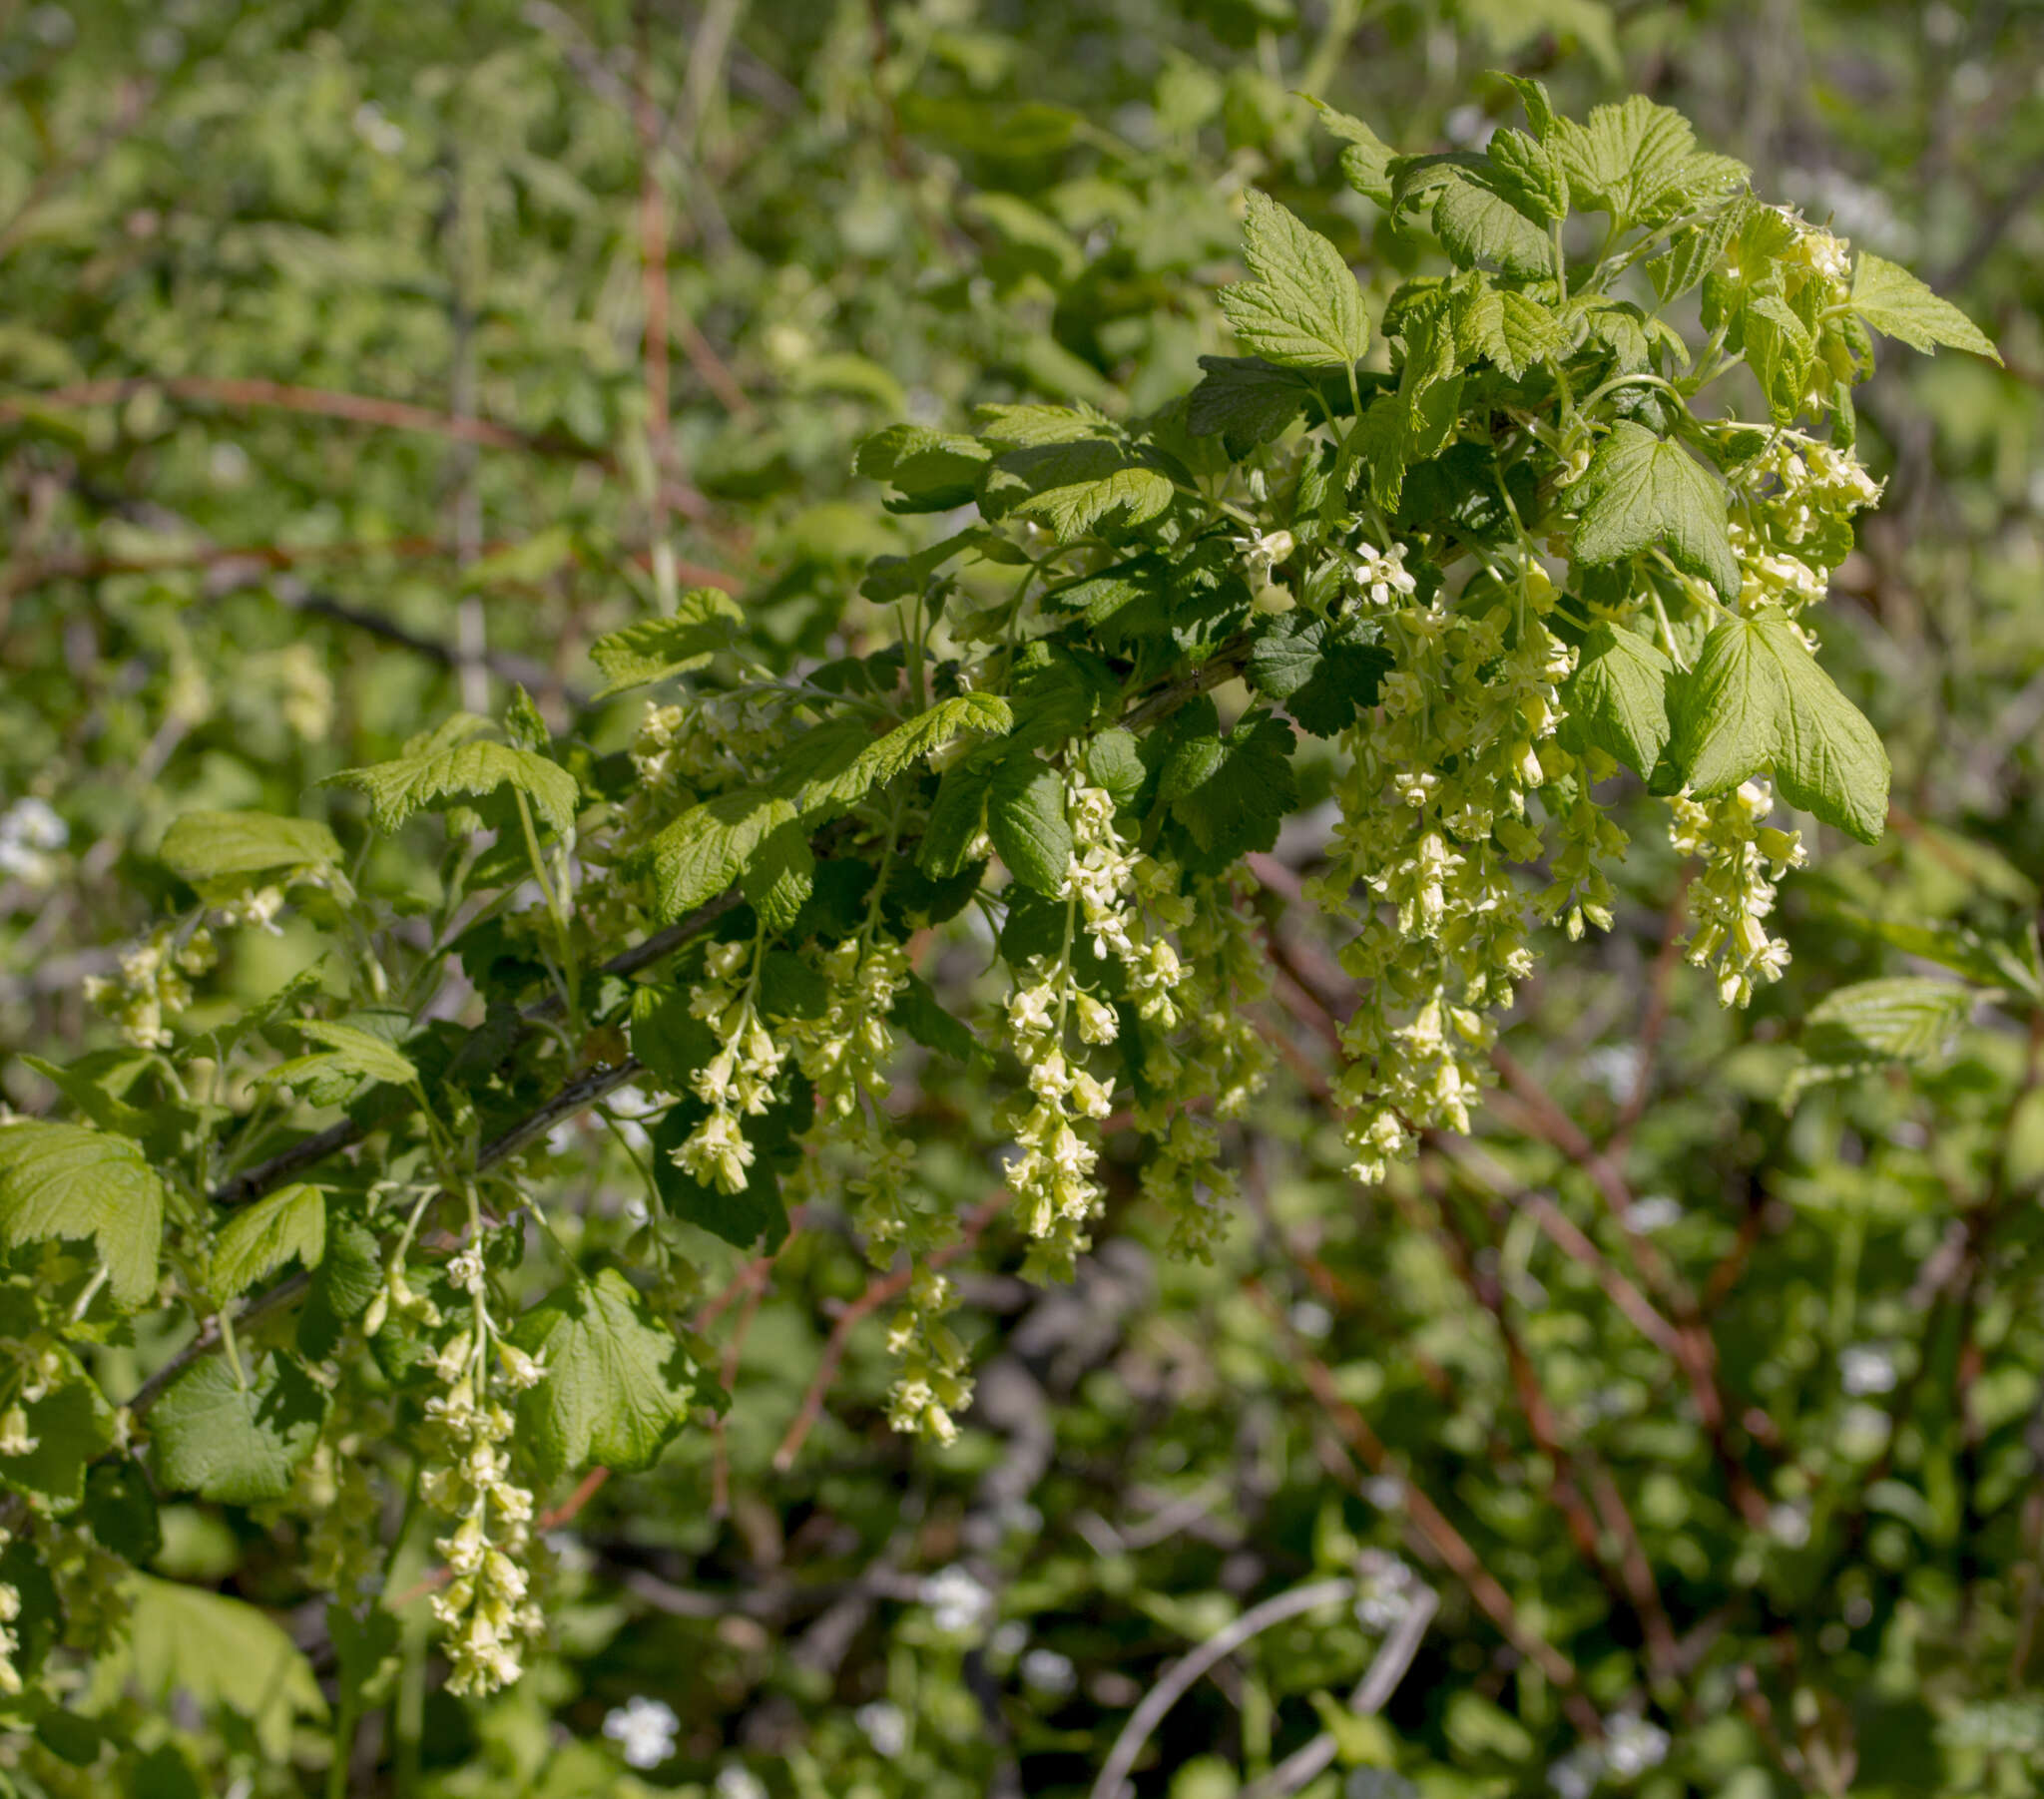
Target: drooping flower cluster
[[1124, 903], [1742, 856], [738, 1082], [1052, 1177], [1218, 1062], [484, 1610], [1794, 497], [1434, 809], [10, 1609], [151, 985], [714, 742]]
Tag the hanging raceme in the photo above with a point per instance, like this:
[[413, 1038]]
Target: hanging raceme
[[1486, 549]]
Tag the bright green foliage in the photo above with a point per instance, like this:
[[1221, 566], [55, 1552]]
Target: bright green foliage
[[289, 1225], [1644, 492], [62, 1180], [1757, 704], [206, 847], [235, 1434], [701, 624], [1302, 309], [1896, 304], [1618, 698], [452, 761], [219, 1652], [608, 869], [618, 1385]]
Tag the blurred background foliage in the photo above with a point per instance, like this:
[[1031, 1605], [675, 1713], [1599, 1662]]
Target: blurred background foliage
[[328, 401]]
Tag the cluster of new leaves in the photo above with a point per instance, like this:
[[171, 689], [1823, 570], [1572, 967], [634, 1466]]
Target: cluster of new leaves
[[1454, 555]]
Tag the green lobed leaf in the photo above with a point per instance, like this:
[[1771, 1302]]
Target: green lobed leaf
[[619, 1384], [1129, 496], [1902, 1018], [1477, 225], [781, 875], [344, 1285], [120, 1509], [1780, 349], [1514, 331], [1230, 792], [932, 471], [452, 762], [958, 813], [1639, 161], [708, 847], [1245, 399], [1617, 700], [1982, 960], [238, 1445], [881, 759], [1694, 251], [1896, 304], [921, 1013], [65, 1181], [1324, 670], [1365, 158], [705, 620], [354, 1050], [219, 1652], [1641, 491], [1025, 818], [1528, 176], [212, 846], [1114, 765], [1303, 308], [288, 1225], [1758, 703]]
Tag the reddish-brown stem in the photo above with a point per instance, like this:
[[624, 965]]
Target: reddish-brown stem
[[1655, 1020], [653, 271], [356, 408], [1632, 1584], [1537, 1112]]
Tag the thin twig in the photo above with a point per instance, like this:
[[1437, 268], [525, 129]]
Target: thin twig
[[1179, 1677], [1388, 1667]]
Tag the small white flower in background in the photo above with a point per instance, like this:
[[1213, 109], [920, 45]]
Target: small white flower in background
[[957, 1601], [1615, 1067], [1311, 1319], [29, 832], [1382, 573], [1576, 1775], [1865, 1368], [1654, 1212], [885, 1726], [382, 135], [1008, 1638], [1470, 127], [1385, 1491], [644, 1730], [1789, 1525], [736, 1782], [1049, 1672], [1385, 1588], [1632, 1745]]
